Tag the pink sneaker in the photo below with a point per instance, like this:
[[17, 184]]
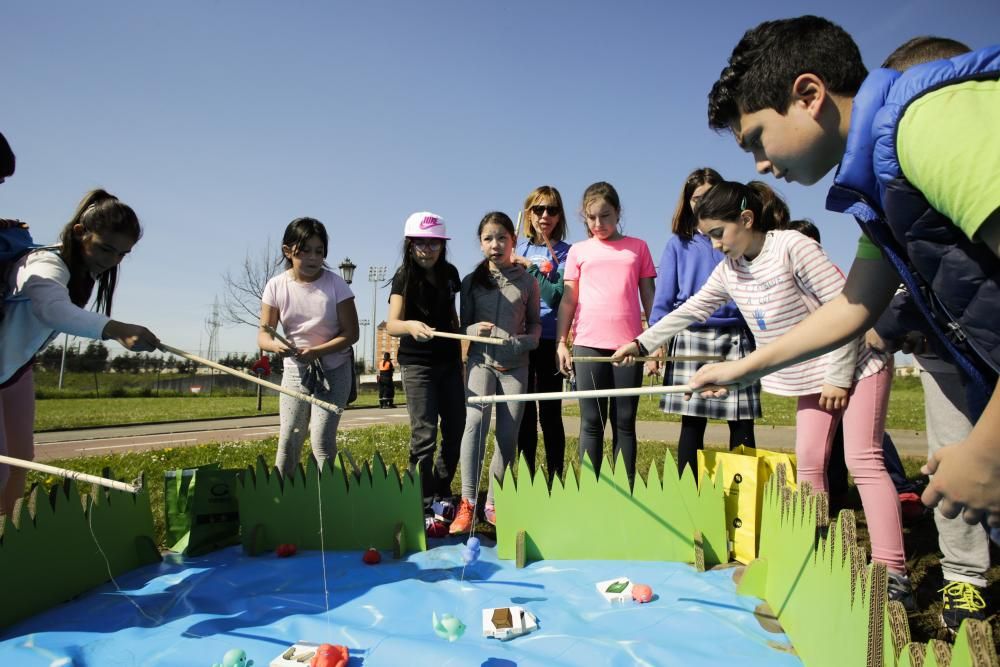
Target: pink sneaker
[[490, 514]]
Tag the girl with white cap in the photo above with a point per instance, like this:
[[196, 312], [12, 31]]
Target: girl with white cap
[[421, 301]]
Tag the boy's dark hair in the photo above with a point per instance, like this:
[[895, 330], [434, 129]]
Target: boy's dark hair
[[806, 228], [768, 59], [727, 200], [7, 162], [923, 49]]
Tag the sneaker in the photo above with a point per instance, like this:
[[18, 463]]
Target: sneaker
[[900, 589], [463, 518], [435, 528], [490, 514], [960, 600], [911, 506]]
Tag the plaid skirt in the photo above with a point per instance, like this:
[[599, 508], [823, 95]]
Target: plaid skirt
[[732, 343]]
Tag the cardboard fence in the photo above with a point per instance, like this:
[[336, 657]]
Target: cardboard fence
[[597, 517], [356, 507], [830, 602], [58, 545]]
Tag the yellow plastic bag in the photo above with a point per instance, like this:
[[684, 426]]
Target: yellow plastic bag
[[746, 471]]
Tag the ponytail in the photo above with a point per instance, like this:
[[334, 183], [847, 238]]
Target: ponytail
[[728, 199], [99, 212]]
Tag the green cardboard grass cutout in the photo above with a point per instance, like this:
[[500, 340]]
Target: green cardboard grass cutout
[[49, 531], [593, 517], [358, 510], [830, 602]]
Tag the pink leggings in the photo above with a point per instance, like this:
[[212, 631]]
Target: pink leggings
[[17, 422], [864, 424]]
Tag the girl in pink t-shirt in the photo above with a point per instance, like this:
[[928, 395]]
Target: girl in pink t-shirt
[[316, 310], [606, 278]]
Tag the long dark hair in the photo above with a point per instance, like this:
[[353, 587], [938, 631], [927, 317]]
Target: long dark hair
[[415, 279], [684, 223], [728, 199], [298, 232], [101, 213], [481, 276]]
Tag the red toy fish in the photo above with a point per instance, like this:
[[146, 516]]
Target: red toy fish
[[330, 655], [285, 550], [372, 557], [642, 593]]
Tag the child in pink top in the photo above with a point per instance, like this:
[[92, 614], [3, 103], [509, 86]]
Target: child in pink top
[[606, 278], [776, 278], [316, 309]]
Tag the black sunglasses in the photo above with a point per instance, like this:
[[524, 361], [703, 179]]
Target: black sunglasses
[[538, 209]]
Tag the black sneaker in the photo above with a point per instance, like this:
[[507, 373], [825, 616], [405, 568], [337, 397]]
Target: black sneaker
[[960, 600], [900, 589]]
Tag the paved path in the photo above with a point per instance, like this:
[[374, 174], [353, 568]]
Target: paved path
[[93, 441]]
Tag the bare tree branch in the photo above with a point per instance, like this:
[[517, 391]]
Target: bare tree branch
[[245, 287]]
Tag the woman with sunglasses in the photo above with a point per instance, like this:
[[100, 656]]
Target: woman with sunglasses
[[543, 253], [422, 300]]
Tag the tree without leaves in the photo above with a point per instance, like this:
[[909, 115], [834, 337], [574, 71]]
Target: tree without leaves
[[245, 287]]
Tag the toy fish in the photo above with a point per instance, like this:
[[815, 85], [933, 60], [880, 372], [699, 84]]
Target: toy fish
[[234, 657], [642, 593], [447, 627], [330, 655], [470, 554]]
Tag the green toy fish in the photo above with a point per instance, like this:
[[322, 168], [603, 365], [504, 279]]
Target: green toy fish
[[234, 657], [447, 627]]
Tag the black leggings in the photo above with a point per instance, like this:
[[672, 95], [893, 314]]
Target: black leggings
[[693, 438], [543, 377], [594, 411]]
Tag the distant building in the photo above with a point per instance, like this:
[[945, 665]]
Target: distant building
[[385, 343], [911, 370]]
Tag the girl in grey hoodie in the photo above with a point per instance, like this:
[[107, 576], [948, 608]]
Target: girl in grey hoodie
[[501, 300]]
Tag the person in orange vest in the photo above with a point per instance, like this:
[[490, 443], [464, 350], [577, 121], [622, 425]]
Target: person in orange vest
[[386, 390]]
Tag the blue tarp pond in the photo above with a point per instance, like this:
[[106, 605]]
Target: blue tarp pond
[[190, 611]]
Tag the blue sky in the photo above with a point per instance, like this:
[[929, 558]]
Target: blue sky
[[219, 122]]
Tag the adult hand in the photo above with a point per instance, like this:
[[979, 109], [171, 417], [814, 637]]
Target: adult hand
[[523, 261], [132, 337], [876, 342], [833, 398], [964, 482], [625, 355], [419, 330]]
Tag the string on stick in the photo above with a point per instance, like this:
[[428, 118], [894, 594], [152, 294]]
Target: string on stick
[[134, 487], [253, 378]]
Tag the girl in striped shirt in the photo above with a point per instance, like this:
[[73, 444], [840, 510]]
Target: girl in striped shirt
[[777, 277]]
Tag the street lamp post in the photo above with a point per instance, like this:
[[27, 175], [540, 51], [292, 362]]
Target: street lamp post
[[347, 270], [364, 345], [376, 274]]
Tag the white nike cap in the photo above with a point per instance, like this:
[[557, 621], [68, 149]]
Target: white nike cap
[[424, 225]]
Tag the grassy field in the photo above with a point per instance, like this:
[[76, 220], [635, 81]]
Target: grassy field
[[392, 442], [67, 413], [906, 407]]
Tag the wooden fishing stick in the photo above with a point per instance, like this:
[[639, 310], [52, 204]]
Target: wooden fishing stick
[[590, 393], [253, 378], [72, 474], [489, 340], [694, 357], [277, 336]]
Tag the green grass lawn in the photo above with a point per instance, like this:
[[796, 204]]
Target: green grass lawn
[[67, 413]]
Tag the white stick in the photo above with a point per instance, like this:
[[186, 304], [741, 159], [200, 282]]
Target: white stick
[[692, 357], [252, 378], [591, 393], [71, 474], [472, 339]]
